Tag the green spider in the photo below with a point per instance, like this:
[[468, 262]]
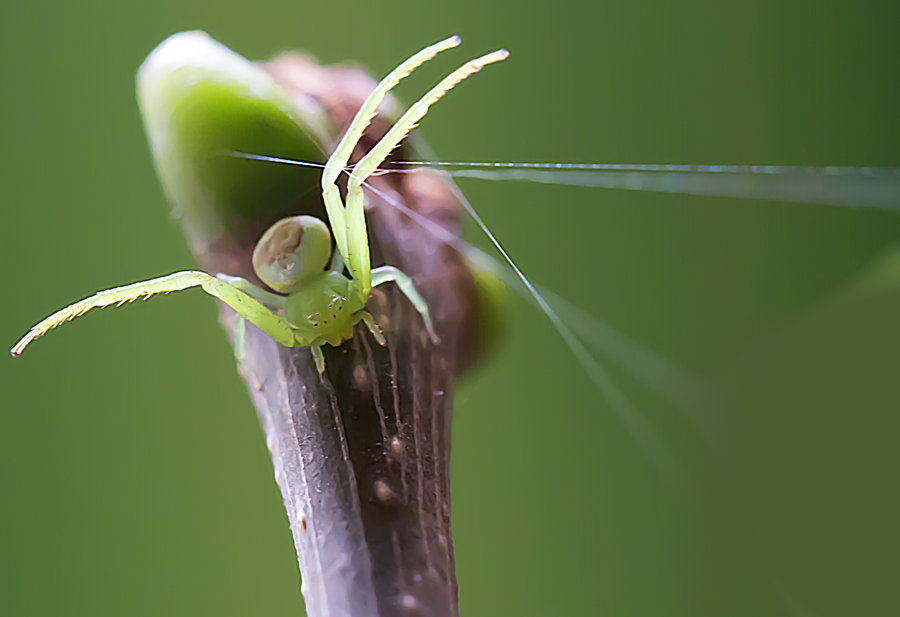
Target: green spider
[[319, 305]]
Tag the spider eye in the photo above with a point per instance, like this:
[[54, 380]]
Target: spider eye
[[291, 251]]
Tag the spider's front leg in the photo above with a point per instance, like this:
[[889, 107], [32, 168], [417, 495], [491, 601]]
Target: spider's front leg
[[240, 300], [257, 306], [349, 222], [271, 301]]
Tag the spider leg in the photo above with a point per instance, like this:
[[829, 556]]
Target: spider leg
[[316, 350], [270, 300], [385, 274], [341, 155], [339, 159], [358, 261], [366, 318], [245, 305], [252, 310]]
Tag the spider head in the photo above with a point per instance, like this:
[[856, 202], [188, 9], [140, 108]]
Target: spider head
[[291, 252]]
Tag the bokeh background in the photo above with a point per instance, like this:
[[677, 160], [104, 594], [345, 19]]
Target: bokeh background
[[134, 477]]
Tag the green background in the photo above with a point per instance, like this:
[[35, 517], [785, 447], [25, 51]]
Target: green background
[[135, 479]]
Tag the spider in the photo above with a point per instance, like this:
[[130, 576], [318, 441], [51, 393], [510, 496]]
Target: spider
[[315, 302]]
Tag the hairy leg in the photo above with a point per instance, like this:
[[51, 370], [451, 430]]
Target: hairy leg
[[247, 306], [357, 240], [353, 251]]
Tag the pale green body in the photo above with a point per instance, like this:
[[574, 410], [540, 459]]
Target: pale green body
[[323, 311], [315, 306]]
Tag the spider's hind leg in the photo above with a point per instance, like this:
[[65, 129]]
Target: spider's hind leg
[[385, 274], [366, 318], [318, 357]]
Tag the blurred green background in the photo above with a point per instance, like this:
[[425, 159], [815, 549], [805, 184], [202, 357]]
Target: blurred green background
[[135, 479]]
